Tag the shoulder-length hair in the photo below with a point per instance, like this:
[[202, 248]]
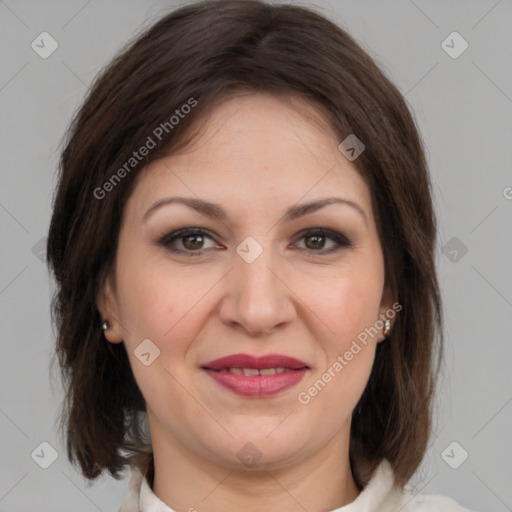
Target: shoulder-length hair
[[195, 56]]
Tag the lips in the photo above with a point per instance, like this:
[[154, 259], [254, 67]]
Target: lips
[[256, 376], [258, 363]]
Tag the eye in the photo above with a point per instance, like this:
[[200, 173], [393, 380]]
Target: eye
[[316, 240], [191, 239]]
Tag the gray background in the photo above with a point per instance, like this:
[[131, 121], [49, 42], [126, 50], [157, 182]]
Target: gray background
[[464, 110]]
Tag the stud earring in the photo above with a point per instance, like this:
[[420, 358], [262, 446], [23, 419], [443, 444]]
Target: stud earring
[[387, 327], [105, 326]]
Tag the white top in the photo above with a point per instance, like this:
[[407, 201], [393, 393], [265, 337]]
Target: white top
[[378, 496]]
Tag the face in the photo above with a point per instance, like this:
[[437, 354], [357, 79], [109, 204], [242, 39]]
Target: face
[[256, 275]]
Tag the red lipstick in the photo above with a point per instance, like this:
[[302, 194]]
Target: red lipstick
[[256, 376]]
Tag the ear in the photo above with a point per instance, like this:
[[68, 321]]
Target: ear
[[387, 310], [108, 308]]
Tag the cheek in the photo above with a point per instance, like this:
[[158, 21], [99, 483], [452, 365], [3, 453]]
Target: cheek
[[348, 309], [160, 300], [162, 304], [346, 304]]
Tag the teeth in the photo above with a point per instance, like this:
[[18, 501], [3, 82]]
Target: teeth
[[251, 372]]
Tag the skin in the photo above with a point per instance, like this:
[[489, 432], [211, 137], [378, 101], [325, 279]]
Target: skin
[[257, 156]]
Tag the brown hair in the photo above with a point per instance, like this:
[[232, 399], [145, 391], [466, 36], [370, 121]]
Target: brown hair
[[207, 51]]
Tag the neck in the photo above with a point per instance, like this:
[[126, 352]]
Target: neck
[[321, 482]]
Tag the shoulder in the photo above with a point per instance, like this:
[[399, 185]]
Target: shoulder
[[429, 503], [131, 500], [382, 495]]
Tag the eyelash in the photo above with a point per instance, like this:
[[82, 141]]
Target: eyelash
[[341, 241]]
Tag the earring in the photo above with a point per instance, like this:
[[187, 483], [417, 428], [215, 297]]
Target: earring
[[387, 327], [105, 326]]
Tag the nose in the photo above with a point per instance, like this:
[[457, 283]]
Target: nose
[[257, 298]]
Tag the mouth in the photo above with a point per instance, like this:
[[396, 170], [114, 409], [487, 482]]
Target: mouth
[[256, 376]]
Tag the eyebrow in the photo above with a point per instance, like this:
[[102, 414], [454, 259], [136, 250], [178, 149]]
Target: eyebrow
[[216, 211]]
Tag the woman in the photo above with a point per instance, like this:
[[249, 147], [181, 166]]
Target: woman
[[243, 244]]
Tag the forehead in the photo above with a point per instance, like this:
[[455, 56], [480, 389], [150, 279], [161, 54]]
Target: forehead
[[287, 127], [254, 151]]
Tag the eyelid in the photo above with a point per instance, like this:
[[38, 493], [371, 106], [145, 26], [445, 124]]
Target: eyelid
[[331, 233]]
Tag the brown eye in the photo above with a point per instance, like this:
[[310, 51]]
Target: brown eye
[[315, 241], [190, 241], [193, 242]]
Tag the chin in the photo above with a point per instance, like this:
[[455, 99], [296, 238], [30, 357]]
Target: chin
[[267, 445]]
